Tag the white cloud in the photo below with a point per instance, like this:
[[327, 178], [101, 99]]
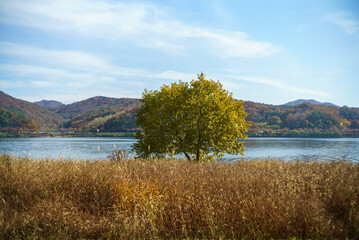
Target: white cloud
[[52, 77], [276, 84], [4, 84], [73, 65], [27, 70], [41, 84], [70, 59], [343, 20], [140, 23], [239, 44]]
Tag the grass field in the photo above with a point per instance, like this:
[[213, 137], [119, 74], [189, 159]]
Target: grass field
[[177, 199]]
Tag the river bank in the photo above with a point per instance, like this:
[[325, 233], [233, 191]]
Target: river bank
[[264, 133], [65, 134]]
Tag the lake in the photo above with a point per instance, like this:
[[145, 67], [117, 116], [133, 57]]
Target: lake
[[321, 149]]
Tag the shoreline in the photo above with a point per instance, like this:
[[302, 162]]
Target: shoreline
[[132, 134]]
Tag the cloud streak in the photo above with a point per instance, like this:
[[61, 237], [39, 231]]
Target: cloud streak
[[72, 64], [76, 69], [276, 84], [139, 23], [343, 20]]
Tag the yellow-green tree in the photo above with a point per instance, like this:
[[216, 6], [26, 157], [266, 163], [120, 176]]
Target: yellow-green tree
[[199, 119]]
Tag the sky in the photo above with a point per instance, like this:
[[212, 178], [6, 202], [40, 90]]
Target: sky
[[264, 51]]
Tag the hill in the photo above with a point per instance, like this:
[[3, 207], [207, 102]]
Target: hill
[[77, 109], [104, 119], [302, 120], [311, 101], [16, 114], [100, 114], [103, 113], [50, 104]]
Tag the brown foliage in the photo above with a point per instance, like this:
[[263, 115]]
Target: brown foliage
[[177, 199]]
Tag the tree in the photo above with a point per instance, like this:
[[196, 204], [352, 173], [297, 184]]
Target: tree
[[275, 120], [354, 124], [199, 119]]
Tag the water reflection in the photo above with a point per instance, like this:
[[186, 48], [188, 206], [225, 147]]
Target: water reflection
[[303, 148], [277, 148]]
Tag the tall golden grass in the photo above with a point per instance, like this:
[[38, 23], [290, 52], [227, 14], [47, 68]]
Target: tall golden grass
[[177, 199]]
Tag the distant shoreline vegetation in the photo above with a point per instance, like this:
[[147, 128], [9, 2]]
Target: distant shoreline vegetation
[[60, 134], [262, 133]]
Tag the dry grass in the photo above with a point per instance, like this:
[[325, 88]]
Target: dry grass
[[68, 199]]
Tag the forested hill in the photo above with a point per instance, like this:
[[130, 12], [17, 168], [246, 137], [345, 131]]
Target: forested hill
[[20, 115], [77, 109], [106, 114], [88, 115], [302, 120]]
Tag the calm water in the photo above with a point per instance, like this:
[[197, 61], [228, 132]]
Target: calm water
[[93, 148]]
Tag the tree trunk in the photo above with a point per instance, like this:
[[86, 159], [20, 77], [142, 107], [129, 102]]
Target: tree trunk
[[197, 155], [187, 156], [199, 147]]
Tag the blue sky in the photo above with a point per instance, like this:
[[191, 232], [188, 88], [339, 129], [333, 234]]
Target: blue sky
[[264, 51]]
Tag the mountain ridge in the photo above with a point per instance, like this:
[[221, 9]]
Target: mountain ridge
[[81, 107], [49, 103], [311, 101]]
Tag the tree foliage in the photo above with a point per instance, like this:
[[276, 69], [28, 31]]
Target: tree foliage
[[275, 120], [121, 123], [354, 124], [199, 119]]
